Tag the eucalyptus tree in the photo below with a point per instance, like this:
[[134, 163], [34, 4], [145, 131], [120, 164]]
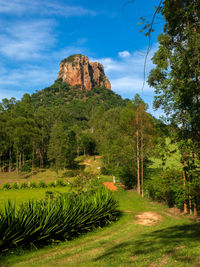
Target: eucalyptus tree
[[176, 79]]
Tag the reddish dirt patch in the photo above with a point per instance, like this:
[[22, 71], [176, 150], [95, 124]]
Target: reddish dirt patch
[[110, 186], [87, 162], [98, 157]]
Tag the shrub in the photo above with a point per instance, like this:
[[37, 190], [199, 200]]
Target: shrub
[[23, 185], [105, 171], [63, 217], [60, 182], [42, 184], [71, 173], [127, 176], [167, 187], [6, 186], [33, 184], [15, 186], [51, 184], [25, 168]]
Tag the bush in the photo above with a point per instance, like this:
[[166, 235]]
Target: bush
[[41, 222], [33, 184], [42, 184], [51, 184], [167, 187], [105, 171], [71, 173], [23, 185], [25, 168], [6, 186], [127, 176], [15, 186], [60, 182]]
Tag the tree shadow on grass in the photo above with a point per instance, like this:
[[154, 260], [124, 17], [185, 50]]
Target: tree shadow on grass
[[172, 242]]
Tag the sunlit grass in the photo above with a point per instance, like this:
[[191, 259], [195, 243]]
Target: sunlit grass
[[22, 195], [174, 241]]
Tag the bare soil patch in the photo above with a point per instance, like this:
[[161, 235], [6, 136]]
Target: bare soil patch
[[110, 186], [148, 218], [174, 211]]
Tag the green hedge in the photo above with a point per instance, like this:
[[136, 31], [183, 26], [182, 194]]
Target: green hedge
[[55, 219], [32, 184]]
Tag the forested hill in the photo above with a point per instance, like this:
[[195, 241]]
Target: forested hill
[[57, 117], [62, 94]]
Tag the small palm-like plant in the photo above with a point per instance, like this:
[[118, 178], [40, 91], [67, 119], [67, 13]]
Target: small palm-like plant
[[23, 185], [62, 217], [15, 186], [6, 186], [42, 184]]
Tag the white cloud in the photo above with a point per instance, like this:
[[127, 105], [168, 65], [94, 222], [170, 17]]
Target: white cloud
[[48, 7], [27, 40], [124, 54], [29, 77], [126, 74]]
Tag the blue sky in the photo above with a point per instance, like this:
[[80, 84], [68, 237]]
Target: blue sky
[[36, 35]]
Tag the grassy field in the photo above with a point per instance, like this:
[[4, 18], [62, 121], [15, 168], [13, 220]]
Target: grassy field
[[172, 241], [46, 175], [22, 195], [89, 164]]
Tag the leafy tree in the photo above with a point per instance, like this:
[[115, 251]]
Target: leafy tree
[[176, 81]]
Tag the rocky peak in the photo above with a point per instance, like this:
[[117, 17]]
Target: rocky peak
[[77, 70]]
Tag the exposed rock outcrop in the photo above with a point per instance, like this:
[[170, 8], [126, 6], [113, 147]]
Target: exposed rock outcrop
[[77, 70]]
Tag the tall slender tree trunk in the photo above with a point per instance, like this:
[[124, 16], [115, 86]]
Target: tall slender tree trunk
[[195, 208], [23, 158], [33, 151], [190, 180], [142, 165], [184, 185], [20, 160], [190, 203], [17, 161], [0, 163], [10, 160], [138, 162], [184, 166], [42, 153]]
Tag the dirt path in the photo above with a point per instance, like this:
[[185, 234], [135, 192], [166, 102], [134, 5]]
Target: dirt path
[[148, 218]]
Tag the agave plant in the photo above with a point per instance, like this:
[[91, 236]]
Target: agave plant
[[60, 218]]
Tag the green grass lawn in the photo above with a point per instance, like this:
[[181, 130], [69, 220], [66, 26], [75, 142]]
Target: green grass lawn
[[46, 175], [22, 195], [173, 241]]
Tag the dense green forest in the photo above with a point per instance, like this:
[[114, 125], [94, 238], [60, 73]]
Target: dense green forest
[[50, 128]]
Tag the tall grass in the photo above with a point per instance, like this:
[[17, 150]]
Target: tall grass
[[61, 218]]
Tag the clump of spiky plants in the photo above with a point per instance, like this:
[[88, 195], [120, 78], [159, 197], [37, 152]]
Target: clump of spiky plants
[[62, 217]]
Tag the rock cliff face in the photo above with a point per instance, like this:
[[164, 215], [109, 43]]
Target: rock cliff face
[[77, 70]]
